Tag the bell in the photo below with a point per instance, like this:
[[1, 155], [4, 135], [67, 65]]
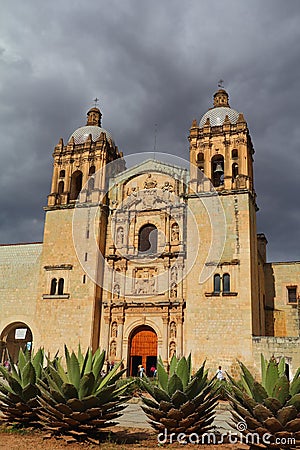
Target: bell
[[219, 169]]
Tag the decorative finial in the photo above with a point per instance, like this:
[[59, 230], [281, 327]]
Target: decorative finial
[[96, 101], [220, 83]]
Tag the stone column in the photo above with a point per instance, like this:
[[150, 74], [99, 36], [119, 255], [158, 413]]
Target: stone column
[[120, 323], [179, 336], [106, 334], [54, 187], [165, 340], [68, 178], [85, 173], [168, 240]]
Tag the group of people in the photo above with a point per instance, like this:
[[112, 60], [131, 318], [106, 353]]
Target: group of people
[[141, 371]]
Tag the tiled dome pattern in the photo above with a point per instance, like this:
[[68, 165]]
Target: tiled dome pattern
[[81, 134], [217, 116]]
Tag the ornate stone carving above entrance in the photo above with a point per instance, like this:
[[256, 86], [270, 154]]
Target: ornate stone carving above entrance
[[145, 280], [150, 182]]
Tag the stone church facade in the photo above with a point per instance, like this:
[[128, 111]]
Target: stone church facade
[[153, 259]]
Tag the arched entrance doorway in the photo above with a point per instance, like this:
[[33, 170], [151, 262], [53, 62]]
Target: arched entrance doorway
[[142, 349], [15, 336]]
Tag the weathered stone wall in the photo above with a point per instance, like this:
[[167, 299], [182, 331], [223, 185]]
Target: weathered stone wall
[[277, 347], [285, 316], [66, 318], [19, 272], [219, 327]]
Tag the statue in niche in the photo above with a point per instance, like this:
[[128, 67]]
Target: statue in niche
[[172, 349], [120, 236], [173, 290], [174, 274], [116, 293], [175, 232], [113, 350], [150, 183], [173, 330], [114, 330]]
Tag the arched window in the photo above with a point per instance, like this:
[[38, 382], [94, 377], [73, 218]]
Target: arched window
[[92, 170], [217, 170], [61, 186], [76, 184], [53, 286], [60, 289], [235, 170], [217, 284], [226, 282], [62, 174], [148, 239], [234, 153]]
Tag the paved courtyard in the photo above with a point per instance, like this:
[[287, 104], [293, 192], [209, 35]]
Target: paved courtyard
[[135, 417]]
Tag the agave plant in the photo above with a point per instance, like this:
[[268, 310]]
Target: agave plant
[[181, 403], [80, 401], [18, 394], [271, 407]]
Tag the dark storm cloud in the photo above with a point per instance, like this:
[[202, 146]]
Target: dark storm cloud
[[149, 63]]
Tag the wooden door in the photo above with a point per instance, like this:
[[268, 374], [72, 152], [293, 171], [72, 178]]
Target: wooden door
[[143, 344]]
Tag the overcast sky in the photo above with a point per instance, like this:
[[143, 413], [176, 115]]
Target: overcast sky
[[149, 62]]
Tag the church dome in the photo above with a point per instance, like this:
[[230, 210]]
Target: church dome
[[217, 116], [221, 109], [81, 134], [93, 127]]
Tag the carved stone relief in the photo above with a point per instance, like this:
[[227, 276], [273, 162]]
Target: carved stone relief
[[173, 290], [113, 349], [116, 291], [120, 236], [173, 330], [172, 349], [114, 330], [175, 232], [145, 281]]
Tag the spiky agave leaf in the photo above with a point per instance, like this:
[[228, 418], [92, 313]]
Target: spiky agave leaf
[[181, 402], [18, 399], [271, 407], [81, 402]]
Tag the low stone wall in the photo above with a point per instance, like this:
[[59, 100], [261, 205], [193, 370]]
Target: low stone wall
[[289, 347]]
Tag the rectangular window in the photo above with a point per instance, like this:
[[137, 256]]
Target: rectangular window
[[292, 294]]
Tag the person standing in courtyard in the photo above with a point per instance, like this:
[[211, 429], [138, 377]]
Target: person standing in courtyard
[[220, 374]]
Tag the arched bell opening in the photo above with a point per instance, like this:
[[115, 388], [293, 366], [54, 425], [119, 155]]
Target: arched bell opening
[[217, 170]]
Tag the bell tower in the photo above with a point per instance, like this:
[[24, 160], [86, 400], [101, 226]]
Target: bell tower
[[227, 306], [221, 149], [70, 293]]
